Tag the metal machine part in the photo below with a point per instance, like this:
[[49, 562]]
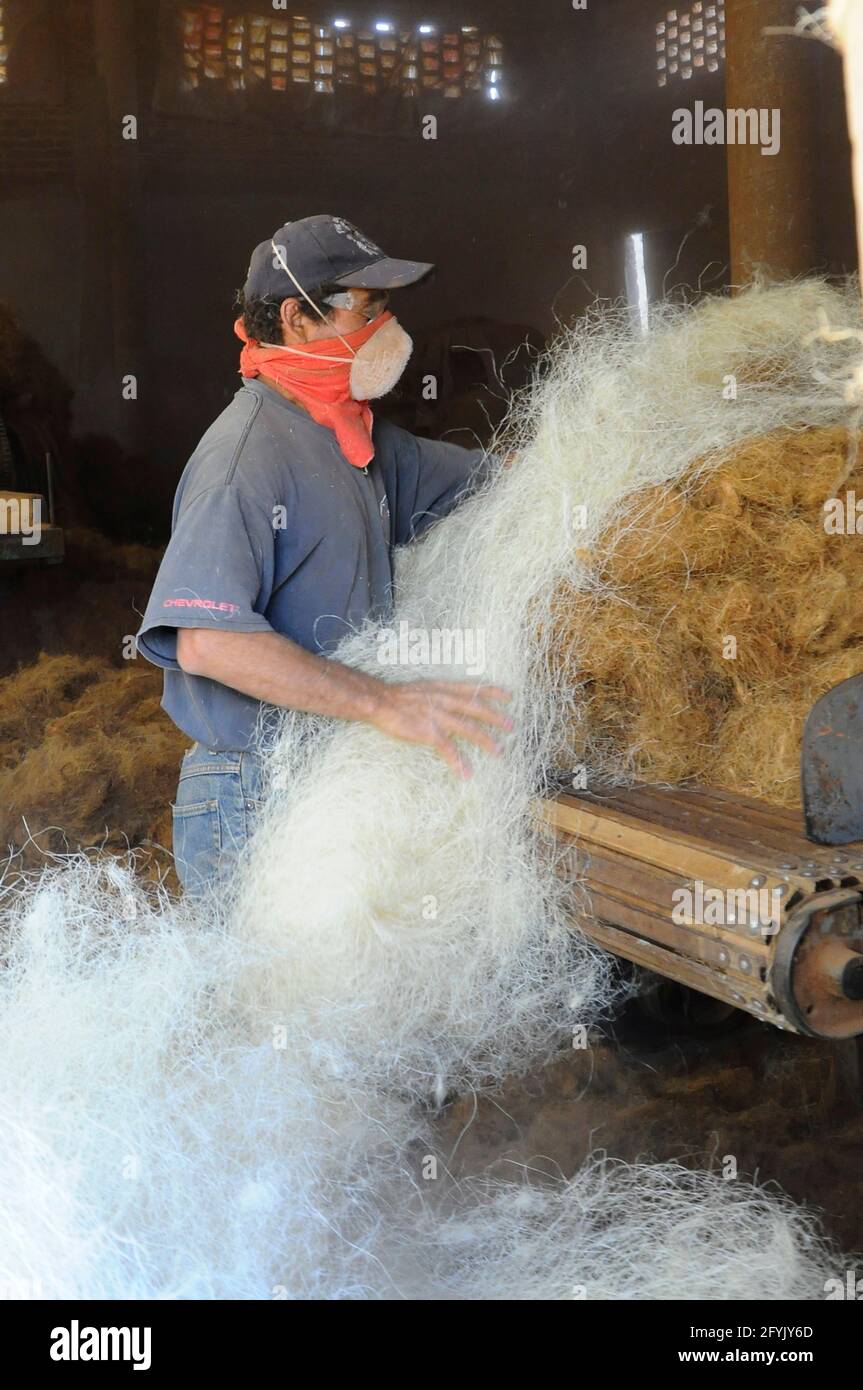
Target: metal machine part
[[724, 895], [832, 765]]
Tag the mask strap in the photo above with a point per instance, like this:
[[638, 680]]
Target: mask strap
[[318, 356], [286, 268]]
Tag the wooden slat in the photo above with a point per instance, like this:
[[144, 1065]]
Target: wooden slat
[[658, 802], [716, 825], [675, 851], [643, 884], [687, 972], [641, 890], [688, 942], [758, 818], [712, 827], [748, 807]]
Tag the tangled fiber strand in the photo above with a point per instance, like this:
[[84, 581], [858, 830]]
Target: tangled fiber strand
[[618, 1224], [223, 1101]]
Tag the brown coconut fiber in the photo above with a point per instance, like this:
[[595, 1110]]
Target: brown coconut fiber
[[718, 610], [87, 757]]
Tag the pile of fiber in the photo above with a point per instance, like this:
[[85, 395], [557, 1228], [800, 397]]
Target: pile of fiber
[[233, 1100], [720, 607], [86, 756]]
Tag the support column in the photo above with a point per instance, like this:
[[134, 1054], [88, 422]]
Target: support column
[[772, 199]]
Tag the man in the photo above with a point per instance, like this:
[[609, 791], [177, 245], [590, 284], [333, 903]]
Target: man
[[283, 530]]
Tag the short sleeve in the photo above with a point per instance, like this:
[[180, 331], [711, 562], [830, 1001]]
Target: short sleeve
[[217, 572], [433, 477]]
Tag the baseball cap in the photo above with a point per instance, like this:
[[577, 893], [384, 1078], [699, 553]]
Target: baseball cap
[[325, 250]]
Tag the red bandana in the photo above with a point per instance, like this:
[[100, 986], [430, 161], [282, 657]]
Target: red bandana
[[321, 386]]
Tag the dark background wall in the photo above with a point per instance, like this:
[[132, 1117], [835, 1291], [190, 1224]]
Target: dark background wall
[[122, 256]]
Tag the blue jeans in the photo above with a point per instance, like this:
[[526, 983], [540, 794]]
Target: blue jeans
[[218, 800]]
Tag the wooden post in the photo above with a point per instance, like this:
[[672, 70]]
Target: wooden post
[[772, 198], [846, 17]]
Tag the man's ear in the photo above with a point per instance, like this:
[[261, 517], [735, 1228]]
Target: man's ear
[[291, 317]]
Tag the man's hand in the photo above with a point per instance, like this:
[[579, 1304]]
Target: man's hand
[[436, 713]]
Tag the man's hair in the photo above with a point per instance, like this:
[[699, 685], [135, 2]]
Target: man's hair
[[262, 319]]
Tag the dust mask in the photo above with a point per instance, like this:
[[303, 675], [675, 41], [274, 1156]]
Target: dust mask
[[378, 364]]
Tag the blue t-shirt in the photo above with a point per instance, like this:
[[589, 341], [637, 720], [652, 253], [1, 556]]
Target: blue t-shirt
[[274, 531]]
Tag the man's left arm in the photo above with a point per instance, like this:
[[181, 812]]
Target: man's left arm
[[432, 477]]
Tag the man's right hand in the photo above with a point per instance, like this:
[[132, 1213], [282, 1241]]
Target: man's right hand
[[436, 713]]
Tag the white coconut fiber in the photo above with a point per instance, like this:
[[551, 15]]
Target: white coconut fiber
[[233, 1100]]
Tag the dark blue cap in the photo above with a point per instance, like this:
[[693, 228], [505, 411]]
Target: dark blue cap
[[325, 250]]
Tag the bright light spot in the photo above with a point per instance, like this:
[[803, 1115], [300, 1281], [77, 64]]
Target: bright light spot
[[341, 23], [382, 26], [492, 93], [426, 29], [637, 279], [493, 75]]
